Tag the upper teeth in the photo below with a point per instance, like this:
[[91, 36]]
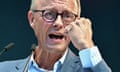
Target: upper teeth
[[56, 36]]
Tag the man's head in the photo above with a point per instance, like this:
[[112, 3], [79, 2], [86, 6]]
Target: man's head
[[48, 18]]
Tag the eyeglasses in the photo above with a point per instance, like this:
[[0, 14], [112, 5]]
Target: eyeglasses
[[51, 15]]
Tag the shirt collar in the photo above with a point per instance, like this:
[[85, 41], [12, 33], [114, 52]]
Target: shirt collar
[[63, 57], [33, 63]]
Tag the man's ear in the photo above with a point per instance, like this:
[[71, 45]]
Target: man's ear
[[31, 18]]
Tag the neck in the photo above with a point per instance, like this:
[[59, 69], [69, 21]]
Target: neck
[[46, 59]]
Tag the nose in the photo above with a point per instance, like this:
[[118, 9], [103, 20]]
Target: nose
[[58, 24]]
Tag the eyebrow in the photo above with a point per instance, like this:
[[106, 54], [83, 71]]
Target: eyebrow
[[53, 8]]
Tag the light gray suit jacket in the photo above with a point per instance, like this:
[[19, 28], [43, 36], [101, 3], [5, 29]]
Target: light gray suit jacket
[[72, 64]]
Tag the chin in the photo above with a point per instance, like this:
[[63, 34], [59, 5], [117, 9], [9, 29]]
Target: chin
[[56, 48]]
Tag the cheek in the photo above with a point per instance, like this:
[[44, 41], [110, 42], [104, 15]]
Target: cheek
[[44, 28], [68, 40], [47, 25], [41, 29]]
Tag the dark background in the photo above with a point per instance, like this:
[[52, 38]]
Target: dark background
[[14, 27]]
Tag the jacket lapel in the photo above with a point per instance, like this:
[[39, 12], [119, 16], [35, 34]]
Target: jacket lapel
[[19, 65], [72, 63]]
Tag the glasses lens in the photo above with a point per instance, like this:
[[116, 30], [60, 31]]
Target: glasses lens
[[68, 16], [49, 15]]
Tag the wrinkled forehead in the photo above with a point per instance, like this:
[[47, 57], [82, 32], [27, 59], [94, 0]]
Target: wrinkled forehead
[[45, 2], [70, 4]]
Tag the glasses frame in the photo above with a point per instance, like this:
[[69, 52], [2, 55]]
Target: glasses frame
[[56, 15]]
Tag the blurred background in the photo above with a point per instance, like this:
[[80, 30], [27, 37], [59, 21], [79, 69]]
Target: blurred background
[[14, 27]]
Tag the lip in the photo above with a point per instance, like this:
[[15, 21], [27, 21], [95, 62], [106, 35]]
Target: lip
[[55, 40]]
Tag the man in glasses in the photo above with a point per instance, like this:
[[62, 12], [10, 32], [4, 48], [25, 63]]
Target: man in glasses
[[56, 23]]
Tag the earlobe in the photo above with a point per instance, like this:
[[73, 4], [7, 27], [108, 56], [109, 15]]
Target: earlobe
[[31, 18]]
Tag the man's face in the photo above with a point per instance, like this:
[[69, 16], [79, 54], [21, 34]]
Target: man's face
[[51, 34]]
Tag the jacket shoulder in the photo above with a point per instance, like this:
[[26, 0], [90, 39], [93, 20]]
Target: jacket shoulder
[[9, 65]]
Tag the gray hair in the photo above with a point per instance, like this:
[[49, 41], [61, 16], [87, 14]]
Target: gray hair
[[79, 7], [33, 6]]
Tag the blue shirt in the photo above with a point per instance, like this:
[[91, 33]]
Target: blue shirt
[[33, 67], [89, 57]]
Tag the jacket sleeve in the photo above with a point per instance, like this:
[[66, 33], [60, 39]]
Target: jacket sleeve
[[100, 67]]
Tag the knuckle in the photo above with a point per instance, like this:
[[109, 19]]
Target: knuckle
[[88, 21]]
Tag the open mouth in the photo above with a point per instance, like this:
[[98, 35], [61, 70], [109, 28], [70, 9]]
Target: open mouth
[[56, 36]]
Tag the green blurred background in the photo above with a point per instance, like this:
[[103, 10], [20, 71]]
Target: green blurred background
[[14, 27]]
